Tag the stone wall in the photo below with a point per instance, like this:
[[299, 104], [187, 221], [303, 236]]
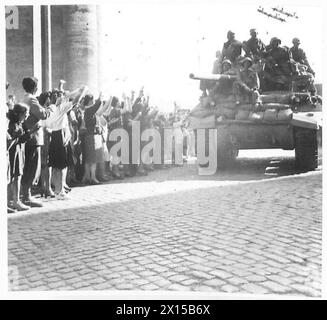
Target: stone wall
[[19, 51], [81, 46], [57, 44], [74, 46]]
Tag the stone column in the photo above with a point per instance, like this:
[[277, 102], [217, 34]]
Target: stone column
[[46, 48], [81, 47], [37, 45], [19, 48]]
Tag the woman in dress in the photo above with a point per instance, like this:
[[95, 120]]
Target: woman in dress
[[46, 171], [93, 139], [60, 155], [115, 122], [101, 115]]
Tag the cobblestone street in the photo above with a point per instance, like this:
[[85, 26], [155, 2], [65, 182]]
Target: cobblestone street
[[254, 230]]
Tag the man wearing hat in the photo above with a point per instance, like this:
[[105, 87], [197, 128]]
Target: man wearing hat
[[277, 71], [247, 82], [227, 68], [299, 55], [274, 42], [224, 86], [254, 46], [232, 48]]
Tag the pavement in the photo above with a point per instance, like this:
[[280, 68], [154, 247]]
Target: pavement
[[256, 229]]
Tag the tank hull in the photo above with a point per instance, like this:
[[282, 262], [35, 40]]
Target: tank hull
[[257, 136]]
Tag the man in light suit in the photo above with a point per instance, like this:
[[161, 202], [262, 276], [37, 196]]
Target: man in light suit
[[33, 146]]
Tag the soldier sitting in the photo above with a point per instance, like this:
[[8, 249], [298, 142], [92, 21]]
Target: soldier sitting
[[303, 75], [227, 68], [224, 86], [298, 55], [277, 71], [245, 88], [254, 47], [232, 48]]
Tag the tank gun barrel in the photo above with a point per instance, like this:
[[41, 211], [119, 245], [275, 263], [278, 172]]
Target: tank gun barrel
[[213, 77]]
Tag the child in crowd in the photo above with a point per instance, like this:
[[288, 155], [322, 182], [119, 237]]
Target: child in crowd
[[17, 137]]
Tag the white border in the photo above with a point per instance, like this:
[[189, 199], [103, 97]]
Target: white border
[[143, 295]]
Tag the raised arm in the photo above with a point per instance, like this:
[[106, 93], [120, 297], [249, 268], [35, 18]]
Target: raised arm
[[105, 107], [61, 85], [132, 97], [37, 110], [92, 110]]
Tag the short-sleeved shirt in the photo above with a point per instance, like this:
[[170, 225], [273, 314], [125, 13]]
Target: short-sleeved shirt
[[255, 46]]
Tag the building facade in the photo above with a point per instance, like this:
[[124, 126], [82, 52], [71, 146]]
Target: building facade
[[53, 43]]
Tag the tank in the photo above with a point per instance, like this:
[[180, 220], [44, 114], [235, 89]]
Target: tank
[[279, 119]]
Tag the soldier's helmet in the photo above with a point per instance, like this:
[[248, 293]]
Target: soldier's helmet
[[226, 61], [296, 41], [230, 33], [246, 59], [275, 39], [239, 59], [253, 31]]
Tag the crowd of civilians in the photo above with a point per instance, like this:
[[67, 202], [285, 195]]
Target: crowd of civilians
[[59, 140]]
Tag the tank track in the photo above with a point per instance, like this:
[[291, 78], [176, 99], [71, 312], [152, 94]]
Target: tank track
[[306, 148]]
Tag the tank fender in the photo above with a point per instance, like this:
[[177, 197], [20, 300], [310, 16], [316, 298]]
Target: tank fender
[[304, 120]]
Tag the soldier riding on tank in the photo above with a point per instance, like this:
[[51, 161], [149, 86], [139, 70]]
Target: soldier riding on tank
[[263, 102]]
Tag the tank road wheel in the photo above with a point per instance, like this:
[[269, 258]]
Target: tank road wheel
[[226, 156], [226, 151], [306, 148]]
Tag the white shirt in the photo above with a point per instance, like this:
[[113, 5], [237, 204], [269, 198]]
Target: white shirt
[[58, 119]]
